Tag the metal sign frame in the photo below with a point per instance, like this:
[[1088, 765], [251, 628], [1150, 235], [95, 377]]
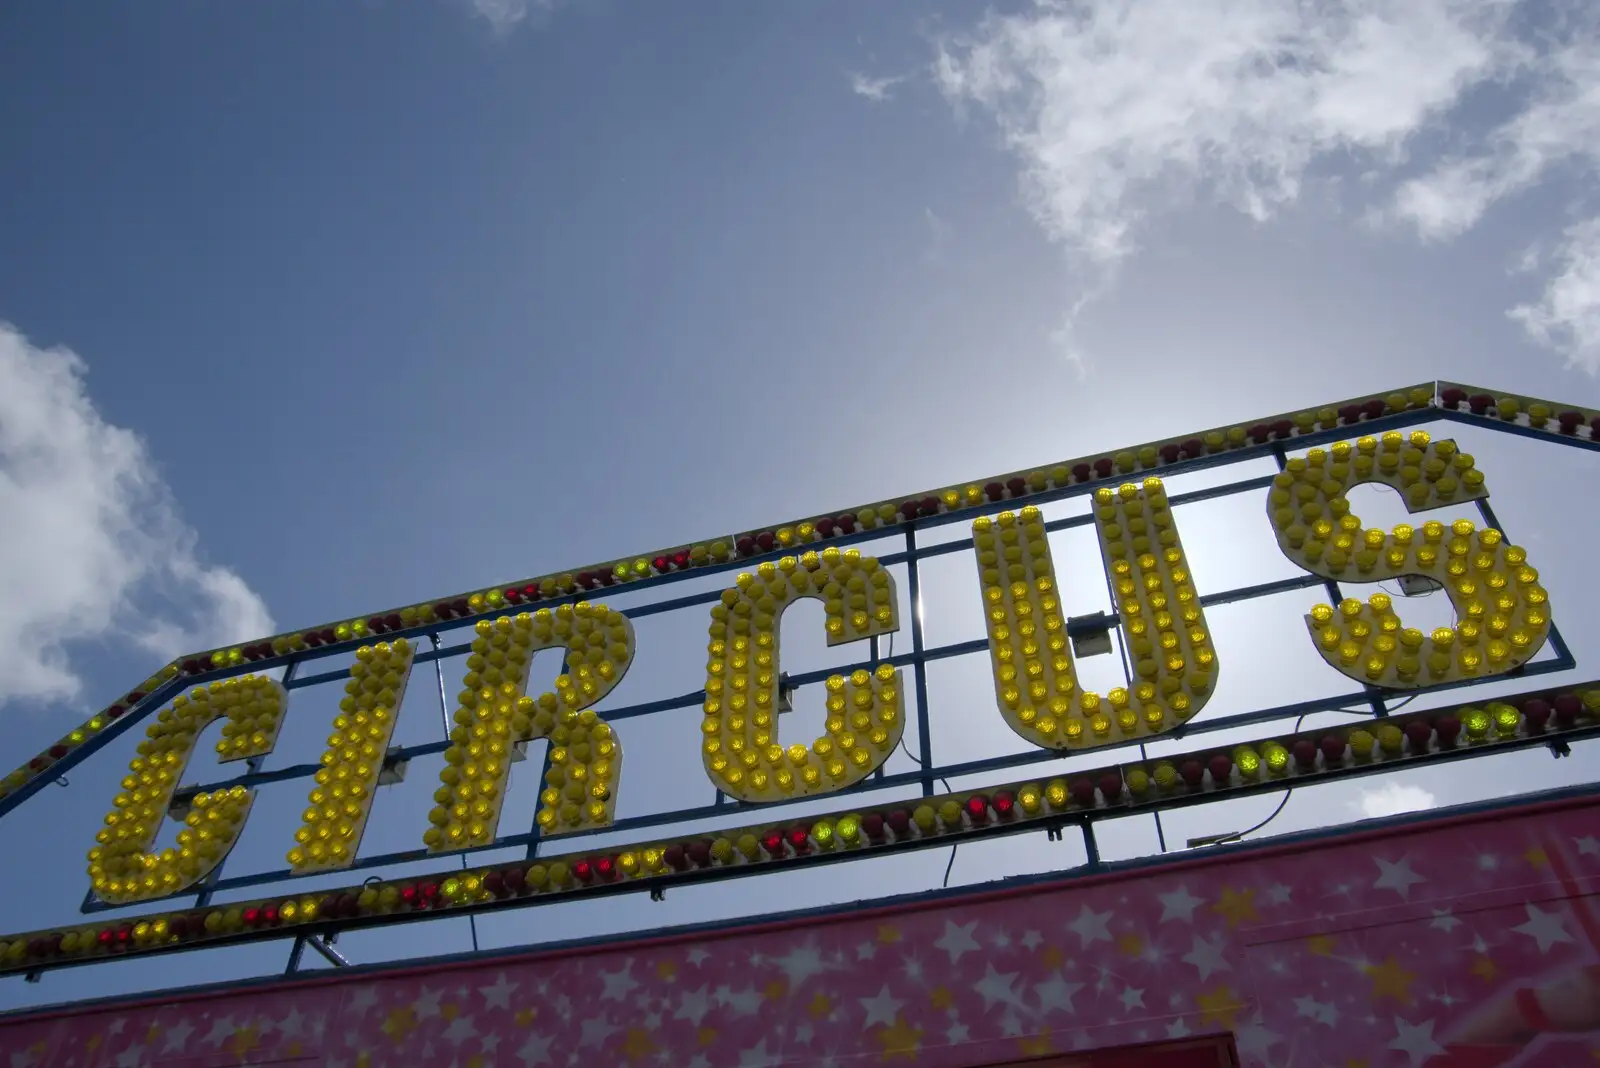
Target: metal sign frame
[[1536, 717]]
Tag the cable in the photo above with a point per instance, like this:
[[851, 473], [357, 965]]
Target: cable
[[1290, 791], [950, 865]]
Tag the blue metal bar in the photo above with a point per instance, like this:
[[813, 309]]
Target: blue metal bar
[[1180, 467], [712, 596], [919, 668], [972, 767], [694, 699], [1518, 430], [93, 744], [1582, 792], [295, 954]]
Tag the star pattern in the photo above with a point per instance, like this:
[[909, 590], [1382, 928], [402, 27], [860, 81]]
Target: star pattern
[[1368, 951]]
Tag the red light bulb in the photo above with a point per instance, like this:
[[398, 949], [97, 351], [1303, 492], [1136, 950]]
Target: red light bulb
[[1221, 768], [978, 809], [605, 868], [583, 870], [772, 842], [799, 838], [1005, 805]]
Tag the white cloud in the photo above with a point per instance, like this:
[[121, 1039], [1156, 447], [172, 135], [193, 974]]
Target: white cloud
[[1559, 122], [92, 546], [1121, 110], [1567, 317], [503, 16], [877, 89], [1393, 798]]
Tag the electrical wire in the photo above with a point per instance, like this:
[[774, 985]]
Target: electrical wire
[[1290, 791]]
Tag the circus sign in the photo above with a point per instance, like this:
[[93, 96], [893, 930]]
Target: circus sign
[[1032, 639]]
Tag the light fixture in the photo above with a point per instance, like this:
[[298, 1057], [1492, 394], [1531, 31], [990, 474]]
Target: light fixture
[[1091, 635], [394, 768], [1418, 585], [182, 801]]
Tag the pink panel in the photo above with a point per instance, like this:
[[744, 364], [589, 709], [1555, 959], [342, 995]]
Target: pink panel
[[1468, 942]]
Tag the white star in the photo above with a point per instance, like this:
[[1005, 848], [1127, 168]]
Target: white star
[[1177, 1028], [758, 1057], [364, 998], [620, 983], [498, 994], [1255, 1042], [957, 940], [804, 1034], [693, 1006], [1444, 921], [866, 951], [178, 1036], [1588, 845], [491, 1042], [699, 1061], [1207, 957], [913, 969], [1091, 926], [535, 1051], [1132, 998], [1278, 894], [652, 1021], [1056, 993], [1416, 1042], [426, 1006], [800, 964], [596, 1030], [745, 1002], [1397, 876], [1032, 940], [1320, 1011], [293, 1025], [881, 1008], [1179, 904], [697, 956], [1010, 1026], [1543, 927], [995, 988], [132, 1057], [460, 1030], [957, 1034], [221, 1030], [116, 1026], [1488, 862]]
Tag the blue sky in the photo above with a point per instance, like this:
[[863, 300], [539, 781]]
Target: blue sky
[[318, 308]]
